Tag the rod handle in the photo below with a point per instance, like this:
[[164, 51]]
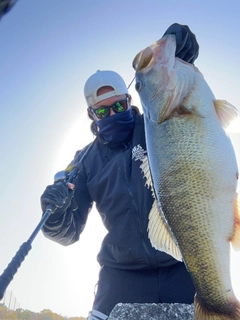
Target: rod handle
[[12, 268]]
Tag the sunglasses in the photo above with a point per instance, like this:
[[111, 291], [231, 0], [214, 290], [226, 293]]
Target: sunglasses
[[104, 111]]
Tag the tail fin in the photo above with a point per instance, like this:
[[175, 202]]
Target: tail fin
[[230, 312]]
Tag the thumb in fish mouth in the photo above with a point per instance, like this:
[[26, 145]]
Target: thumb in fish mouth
[[142, 59]]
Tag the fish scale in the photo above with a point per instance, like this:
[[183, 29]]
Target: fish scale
[[172, 177], [193, 174]]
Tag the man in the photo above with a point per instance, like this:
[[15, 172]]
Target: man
[[132, 271]]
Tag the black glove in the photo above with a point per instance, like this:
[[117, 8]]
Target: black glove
[[58, 195], [187, 47]]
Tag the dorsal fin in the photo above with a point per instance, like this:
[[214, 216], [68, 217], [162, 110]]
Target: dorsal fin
[[226, 112]]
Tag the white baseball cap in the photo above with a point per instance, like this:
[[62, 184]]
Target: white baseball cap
[[102, 79]]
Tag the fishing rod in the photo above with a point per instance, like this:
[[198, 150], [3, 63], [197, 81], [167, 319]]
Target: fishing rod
[[6, 6], [12, 268]]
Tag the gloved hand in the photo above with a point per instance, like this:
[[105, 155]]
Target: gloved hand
[[59, 195], [187, 47]]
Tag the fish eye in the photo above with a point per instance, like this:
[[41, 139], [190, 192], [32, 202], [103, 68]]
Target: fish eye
[[138, 86]]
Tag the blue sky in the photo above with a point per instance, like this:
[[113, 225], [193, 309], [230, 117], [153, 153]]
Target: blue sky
[[47, 51]]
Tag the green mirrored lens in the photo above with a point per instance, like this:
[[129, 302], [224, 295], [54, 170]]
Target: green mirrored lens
[[118, 107], [102, 112]]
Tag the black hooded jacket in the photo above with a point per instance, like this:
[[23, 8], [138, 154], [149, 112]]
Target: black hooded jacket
[[112, 178]]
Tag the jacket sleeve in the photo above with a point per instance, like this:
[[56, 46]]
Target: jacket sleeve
[[65, 227]]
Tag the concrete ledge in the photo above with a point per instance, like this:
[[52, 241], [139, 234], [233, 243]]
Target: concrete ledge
[[161, 311]]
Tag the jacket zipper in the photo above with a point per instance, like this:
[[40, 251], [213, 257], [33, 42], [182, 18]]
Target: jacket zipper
[[137, 214]]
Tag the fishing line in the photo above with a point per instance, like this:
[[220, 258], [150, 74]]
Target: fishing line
[[131, 82]]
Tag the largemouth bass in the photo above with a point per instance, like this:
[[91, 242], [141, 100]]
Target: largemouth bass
[[193, 174]]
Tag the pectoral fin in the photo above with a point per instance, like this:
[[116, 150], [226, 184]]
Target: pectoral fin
[[158, 231], [235, 240], [159, 234]]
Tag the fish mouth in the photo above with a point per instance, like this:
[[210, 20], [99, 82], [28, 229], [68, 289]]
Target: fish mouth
[[143, 64], [143, 59]]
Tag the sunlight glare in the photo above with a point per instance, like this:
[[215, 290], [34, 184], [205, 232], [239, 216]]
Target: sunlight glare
[[78, 136], [234, 126]]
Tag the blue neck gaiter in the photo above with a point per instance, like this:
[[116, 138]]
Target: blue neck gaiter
[[117, 127]]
